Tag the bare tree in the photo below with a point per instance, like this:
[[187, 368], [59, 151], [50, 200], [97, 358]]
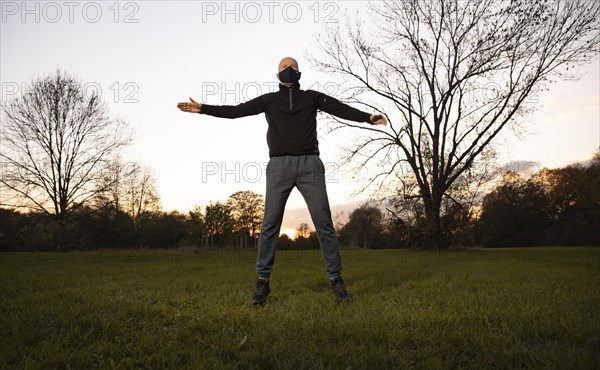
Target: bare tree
[[451, 75], [339, 220], [110, 187], [56, 140], [130, 188], [140, 192], [303, 230]]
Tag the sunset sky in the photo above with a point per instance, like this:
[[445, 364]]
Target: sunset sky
[[145, 56]]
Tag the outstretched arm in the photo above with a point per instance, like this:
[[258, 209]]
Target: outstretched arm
[[249, 108], [335, 107]]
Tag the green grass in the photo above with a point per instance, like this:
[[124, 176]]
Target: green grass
[[514, 308]]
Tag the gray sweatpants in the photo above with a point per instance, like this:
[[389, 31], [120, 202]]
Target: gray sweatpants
[[307, 173]]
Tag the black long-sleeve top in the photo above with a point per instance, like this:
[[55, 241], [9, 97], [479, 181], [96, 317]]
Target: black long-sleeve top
[[292, 117]]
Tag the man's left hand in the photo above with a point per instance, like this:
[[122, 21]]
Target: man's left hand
[[378, 119]]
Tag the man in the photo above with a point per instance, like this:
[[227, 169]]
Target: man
[[294, 161]]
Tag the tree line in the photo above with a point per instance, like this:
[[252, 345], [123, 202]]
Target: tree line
[[552, 207], [124, 219]]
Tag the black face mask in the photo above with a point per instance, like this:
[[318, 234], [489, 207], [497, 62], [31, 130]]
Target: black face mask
[[289, 75]]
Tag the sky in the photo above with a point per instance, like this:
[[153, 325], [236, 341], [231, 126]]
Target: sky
[[145, 56]]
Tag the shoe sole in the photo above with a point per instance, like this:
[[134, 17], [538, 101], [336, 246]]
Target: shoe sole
[[342, 300]]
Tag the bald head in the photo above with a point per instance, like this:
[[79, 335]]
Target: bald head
[[286, 62]]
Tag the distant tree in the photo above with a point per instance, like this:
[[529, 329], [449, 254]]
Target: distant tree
[[339, 220], [162, 229], [284, 242], [247, 209], [56, 139], [454, 74], [196, 227], [364, 227], [394, 232], [140, 192], [11, 225], [303, 230], [110, 187], [313, 240], [306, 240], [128, 187], [20, 231], [218, 222], [112, 229], [574, 196], [515, 213]]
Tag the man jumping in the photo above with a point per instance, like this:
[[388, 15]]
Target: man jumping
[[294, 162]]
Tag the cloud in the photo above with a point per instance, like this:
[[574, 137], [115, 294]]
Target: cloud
[[524, 168], [295, 216]]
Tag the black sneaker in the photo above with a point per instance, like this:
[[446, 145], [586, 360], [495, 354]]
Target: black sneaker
[[339, 290], [261, 292]]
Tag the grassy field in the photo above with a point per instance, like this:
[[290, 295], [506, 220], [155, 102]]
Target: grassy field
[[513, 308]]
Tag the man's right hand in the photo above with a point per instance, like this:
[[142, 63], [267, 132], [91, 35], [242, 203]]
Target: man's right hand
[[193, 107]]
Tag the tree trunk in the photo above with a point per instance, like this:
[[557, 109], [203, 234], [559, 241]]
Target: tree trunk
[[435, 235], [58, 233]]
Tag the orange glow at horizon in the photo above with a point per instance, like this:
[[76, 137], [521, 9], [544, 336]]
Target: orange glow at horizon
[[289, 232]]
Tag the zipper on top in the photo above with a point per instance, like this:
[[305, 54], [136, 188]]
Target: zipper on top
[[290, 98]]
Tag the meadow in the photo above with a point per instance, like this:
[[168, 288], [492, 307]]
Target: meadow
[[475, 308]]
